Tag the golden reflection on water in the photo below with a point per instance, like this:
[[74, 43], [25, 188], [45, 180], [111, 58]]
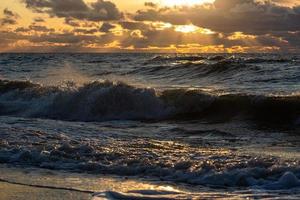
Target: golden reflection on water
[[97, 187]]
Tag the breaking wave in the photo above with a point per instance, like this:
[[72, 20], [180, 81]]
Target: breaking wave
[[152, 159], [105, 100]]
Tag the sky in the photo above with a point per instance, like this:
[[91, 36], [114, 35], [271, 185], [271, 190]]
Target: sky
[[177, 26]]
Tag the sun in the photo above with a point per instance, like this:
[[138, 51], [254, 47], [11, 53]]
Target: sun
[[190, 28], [185, 2], [186, 28]]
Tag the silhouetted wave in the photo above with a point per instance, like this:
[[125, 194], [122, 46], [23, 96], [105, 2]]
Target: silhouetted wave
[[100, 101]]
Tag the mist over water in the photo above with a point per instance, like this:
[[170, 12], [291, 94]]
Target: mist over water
[[212, 121]]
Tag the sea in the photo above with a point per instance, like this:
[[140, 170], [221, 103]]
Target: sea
[[210, 126]]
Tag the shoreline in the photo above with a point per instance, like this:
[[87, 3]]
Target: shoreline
[[34, 183], [9, 191]]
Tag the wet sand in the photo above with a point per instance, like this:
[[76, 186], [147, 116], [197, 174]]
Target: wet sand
[[32, 183], [41, 184], [19, 192]]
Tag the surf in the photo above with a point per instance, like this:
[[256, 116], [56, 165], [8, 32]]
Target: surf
[[107, 100]]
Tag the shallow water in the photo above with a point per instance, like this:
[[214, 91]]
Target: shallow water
[[203, 124], [33, 183]]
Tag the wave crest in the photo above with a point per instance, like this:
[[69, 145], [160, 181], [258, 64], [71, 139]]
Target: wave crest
[[100, 101]]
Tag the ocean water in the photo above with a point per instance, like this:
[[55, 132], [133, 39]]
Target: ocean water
[[226, 125]]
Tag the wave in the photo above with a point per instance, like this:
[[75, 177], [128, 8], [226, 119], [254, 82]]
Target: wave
[[105, 100], [217, 67], [217, 58], [95, 101], [169, 58], [210, 65], [190, 68], [268, 60], [151, 159]]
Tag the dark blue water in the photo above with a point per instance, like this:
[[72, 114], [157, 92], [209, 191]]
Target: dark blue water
[[241, 73]]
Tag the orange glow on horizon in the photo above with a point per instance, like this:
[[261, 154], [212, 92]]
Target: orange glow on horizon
[[184, 2]]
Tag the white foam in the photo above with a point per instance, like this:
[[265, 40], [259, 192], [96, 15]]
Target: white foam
[[141, 195]]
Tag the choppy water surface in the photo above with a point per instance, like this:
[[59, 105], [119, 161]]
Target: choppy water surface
[[208, 123]]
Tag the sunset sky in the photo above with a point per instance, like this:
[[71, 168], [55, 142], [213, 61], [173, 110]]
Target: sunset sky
[[198, 26]]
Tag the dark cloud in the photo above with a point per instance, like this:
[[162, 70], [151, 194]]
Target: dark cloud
[[8, 13], [292, 38], [70, 38], [237, 24], [230, 16], [151, 4], [78, 40], [35, 28], [106, 27], [38, 20], [41, 28], [86, 31], [77, 9], [72, 22], [130, 25], [162, 38], [22, 29], [287, 2], [7, 38], [8, 21], [64, 38], [10, 18]]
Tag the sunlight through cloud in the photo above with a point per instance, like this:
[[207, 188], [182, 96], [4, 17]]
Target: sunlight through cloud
[[192, 29], [184, 2]]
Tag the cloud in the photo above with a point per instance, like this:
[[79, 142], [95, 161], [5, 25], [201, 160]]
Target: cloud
[[290, 3], [131, 25], [64, 38], [10, 18], [8, 13], [148, 39], [9, 38], [35, 28], [41, 28], [71, 22], [222, 26], [86, 31], [39, 19], [151, 4], [247, 16], [106, 27], [8, 21], [77, 9]]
